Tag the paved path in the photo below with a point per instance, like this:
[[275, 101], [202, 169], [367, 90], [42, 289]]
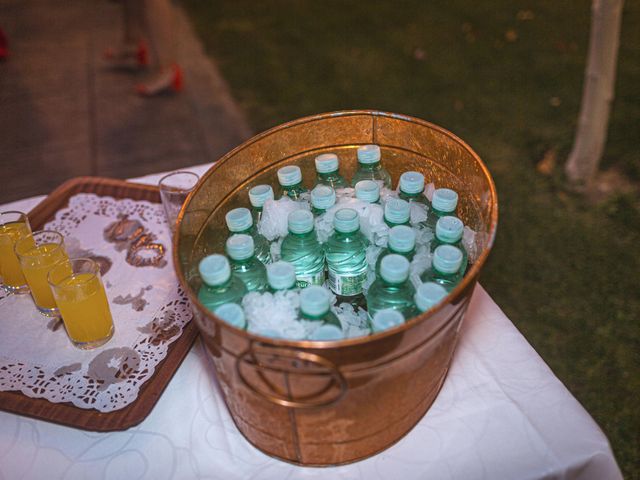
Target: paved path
[[64, 113]]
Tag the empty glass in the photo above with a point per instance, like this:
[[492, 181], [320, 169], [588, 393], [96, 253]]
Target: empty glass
[[13, 227], [82, 300], [174, 189]]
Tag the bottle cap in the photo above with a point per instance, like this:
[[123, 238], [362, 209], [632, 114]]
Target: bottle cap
[[281, 275], [397, 211], [233, 314], [449, 229], [394, 268], [368, 191], [315, 300], [327, 333], [327, 163], [260, 194], [214, 269], [239, 219], [428, 295], [346, 220], [300, 221], [369, 154], [240, 246], [289, 175], [412, 182], [323, 197], [402, 239], [386, 319], [444, 200], [447, 259]]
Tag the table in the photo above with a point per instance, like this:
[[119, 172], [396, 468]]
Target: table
[[501, 414]]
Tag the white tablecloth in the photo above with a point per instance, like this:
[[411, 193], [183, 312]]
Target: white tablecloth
[[501, 414]]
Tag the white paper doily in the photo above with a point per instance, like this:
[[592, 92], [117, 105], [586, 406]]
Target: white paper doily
[[131, 240]]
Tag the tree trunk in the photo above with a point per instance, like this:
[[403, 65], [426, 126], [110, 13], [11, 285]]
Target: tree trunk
[[597, 93]]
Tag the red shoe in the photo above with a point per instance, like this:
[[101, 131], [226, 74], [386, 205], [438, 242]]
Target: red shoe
[[168, 81], [128, 56]]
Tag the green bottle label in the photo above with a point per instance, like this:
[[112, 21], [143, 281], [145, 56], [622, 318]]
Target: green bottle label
[[346, 285]]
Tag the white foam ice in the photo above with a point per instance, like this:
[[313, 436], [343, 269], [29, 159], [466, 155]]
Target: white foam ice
[[273, 221]]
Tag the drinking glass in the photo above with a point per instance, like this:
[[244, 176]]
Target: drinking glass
[[13, 227], [174, 189], [82, 300], [37, 254]]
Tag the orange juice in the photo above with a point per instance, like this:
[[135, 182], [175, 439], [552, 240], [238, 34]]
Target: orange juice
[[10, 269], [84, 308], [36, 263]]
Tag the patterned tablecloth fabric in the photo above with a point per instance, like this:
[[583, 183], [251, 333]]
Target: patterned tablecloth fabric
[[501, 414]]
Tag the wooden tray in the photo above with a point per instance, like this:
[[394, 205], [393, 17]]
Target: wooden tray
[[67, 413]]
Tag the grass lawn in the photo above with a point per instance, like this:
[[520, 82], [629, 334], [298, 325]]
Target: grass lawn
[[506, 76]]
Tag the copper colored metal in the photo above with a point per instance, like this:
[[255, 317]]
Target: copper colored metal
[[334, 402]]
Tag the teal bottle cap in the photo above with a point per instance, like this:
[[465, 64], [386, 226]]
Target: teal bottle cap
[[327, 163], [289, 175], [449, 229], [386, 319], [394, 268], [233, 314], [260, 194], [368, 191], [447, 259], [300, 221], [402, 239], [281, 275], [397, 211], [346, 220], [214, 269], [369, 154], [239, 219], [323, 197], [444, 200], [428, 295], [315, 300], [412, 182], [240, 246], [326, 333]]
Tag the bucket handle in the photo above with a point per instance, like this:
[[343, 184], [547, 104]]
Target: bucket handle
[[310, 401]]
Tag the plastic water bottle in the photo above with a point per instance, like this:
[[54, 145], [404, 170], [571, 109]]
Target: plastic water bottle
[[219, 285], [315, 304], [428, 295], [281, 276], [412, 187], [397, 212], [444, 202], [402, 240], [239, 220], [445, 267], [323, 198], [290, 179], [346, 256], [327, 171], [368, 191], [449, 231], [244, 264], [233, 314], [258, 195], [302, 249], [386, 319], [392, 289], [370, 167]]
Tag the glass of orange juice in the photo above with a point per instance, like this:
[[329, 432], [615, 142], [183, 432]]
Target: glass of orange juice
[[37, 254], [13, 227], [82, 300]]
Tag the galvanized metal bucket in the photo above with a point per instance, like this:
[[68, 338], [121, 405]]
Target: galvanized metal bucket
[[333, 402]]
